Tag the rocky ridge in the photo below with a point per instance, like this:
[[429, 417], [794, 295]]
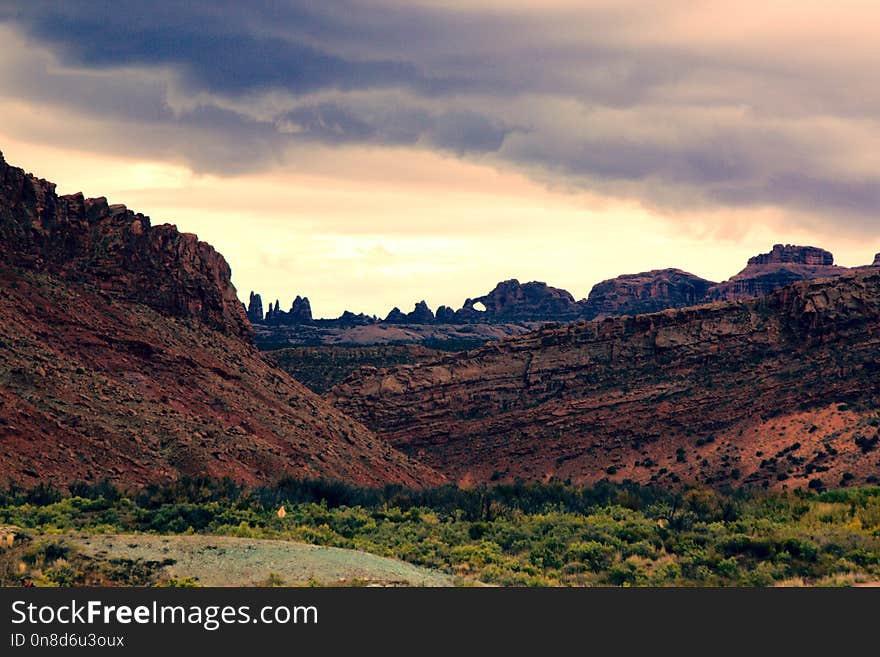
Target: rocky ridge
[[512, 303], [117, 250]]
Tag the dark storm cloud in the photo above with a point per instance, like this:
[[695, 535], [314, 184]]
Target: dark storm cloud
[[235, 47], [808, 192], [457, 131], [576, 93], [302, 47], [225, 61]]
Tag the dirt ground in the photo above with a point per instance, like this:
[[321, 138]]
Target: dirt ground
[[229, 561]]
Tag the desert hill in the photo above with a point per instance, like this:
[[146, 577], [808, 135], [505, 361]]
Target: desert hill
[[125, 355]]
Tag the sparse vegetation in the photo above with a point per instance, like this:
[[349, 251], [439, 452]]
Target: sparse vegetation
[[321, 367], [867, 444]]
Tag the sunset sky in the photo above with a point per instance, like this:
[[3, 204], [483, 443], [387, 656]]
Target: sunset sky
[[372, 154]]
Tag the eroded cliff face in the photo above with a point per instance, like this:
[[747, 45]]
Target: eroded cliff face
[[783, 265], [706, 394], [791, 253], [116, 250]]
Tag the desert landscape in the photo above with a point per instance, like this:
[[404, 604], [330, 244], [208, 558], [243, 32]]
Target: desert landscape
[[439, 294], [145, 439]]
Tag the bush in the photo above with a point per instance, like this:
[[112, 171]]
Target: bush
[[597, 556], [867, 444], [627, 573]]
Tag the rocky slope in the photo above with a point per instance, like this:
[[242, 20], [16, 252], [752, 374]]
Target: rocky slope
[[774, 391], [124, 355], [321, 367]]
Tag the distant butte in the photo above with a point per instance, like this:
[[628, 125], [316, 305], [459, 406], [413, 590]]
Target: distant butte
[[783, 265]]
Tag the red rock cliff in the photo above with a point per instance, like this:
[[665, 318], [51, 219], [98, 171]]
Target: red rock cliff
[[117, 250], [783, 265], [695, 395]]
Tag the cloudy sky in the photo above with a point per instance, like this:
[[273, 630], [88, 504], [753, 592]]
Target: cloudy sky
[[371, 154]]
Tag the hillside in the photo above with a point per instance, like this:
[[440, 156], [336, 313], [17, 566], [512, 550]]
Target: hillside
[[775, 391], [448, 337], [125, 355], [321, 367]]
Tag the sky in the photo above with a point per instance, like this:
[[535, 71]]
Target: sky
[[373, 154]]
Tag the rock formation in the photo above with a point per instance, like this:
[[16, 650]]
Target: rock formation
[[467, 314], [348, 318], [798, 255], [513, 307], [445, 315], [274, 312], [81, 239], [421, 314], [772, 391], [784, 265], [395, 316], [511, 300], [255, 308], [632, 294], [301, 311]]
